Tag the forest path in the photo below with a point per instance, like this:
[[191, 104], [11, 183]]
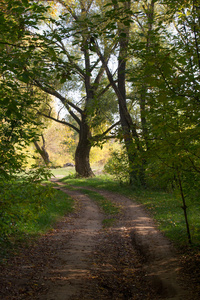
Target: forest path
[[157, 264], [71, 267], [80, 260]]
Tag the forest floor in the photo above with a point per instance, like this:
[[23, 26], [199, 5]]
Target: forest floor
[[81, 260]]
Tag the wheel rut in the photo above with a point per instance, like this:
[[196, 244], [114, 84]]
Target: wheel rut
[[73, 263], [160, 262], [81, 260]]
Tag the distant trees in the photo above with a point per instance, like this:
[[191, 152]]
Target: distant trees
[[42, 150], [60, 144]]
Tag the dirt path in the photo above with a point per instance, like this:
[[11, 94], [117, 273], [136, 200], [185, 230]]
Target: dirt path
[[161, 265], [72, 264], [79, 260]]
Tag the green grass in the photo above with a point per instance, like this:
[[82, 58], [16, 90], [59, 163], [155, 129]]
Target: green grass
[[110, 209], [63, 171], [107, 206], [164, 207], [55, 207], [108, 222], [25, 217], [101, 182]]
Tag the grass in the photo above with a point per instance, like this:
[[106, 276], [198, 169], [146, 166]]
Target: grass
[[164, 207], [55, 207], [108, 207], [101, 182], [63, 171], [25, 218]]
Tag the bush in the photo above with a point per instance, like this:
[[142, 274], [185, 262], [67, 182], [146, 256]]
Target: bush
[[118, 166], [159, 176], [20, 200]]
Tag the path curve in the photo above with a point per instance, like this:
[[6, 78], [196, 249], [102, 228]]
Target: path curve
[[130, 261]]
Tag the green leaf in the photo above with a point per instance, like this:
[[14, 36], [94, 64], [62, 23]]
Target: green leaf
[[122, 34], [25, 2], [52, 53], [25, 77]]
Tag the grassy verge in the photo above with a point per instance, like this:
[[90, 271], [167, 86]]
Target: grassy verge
[[165, 208], [55, 207], [110, 209], [25, 217], [63, 171]]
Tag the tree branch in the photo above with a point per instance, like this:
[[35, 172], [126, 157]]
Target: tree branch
[[102, 135], [59, 121], [64, 101], [75, 66]]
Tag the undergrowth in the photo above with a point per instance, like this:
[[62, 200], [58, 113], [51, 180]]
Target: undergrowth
[[27, 211]]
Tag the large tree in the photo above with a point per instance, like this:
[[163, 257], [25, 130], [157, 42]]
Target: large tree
[[65, 56], [170, 71], [119, 21]]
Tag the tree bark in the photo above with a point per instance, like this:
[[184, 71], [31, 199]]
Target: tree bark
[[82, 154], [42, 151], [144, 88], [143, 116], [133, 149]]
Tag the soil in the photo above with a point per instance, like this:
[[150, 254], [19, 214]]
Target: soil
[[79, 259]]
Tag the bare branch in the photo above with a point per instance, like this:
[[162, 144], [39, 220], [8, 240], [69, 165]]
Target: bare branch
[[59, 121], [103, 135], [68, 104]]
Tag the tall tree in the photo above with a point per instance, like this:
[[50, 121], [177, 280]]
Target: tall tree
[[173, 99], [119, 23], [67, 41]]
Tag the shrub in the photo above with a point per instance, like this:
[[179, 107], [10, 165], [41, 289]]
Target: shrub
[[118, 166]]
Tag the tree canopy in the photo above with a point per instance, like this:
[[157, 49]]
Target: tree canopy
[[18, 127], [128, 65]]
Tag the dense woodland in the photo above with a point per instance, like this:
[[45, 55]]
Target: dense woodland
[[124, 72]]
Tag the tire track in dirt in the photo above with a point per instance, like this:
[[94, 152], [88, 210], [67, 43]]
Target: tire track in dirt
[[73, 263], [161, 264], [83, 262]]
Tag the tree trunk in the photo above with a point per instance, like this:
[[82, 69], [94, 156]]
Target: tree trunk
[[130, 136], [42, 151], [134, 149], [144, 88], [184, 207], [143, 115], [82, 155], [82, 162]]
